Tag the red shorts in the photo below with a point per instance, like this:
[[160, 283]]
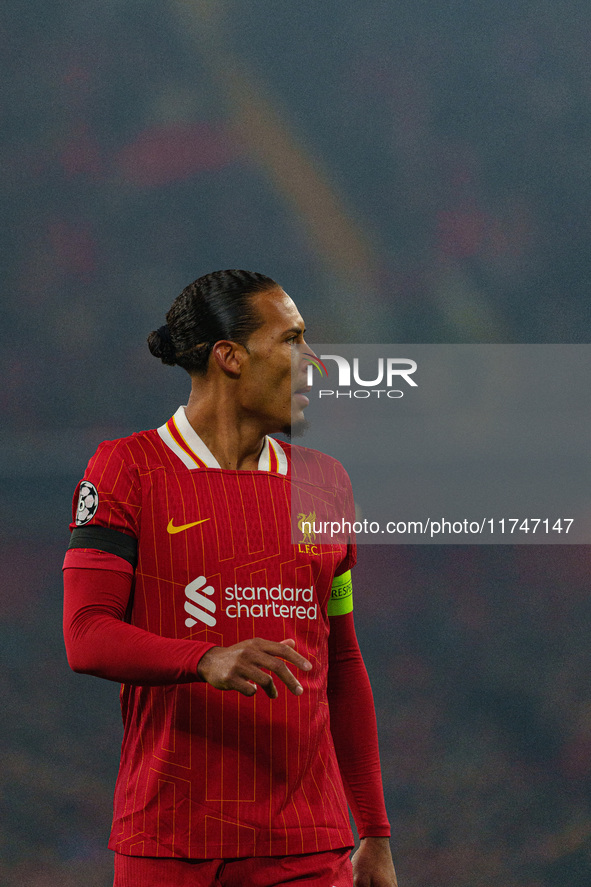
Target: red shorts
[[331, 868]]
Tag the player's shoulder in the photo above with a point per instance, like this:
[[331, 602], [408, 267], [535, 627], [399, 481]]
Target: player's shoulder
[[141, 449], [307, 454], [314, 465]]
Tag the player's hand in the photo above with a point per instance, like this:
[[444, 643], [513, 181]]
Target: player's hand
[[372, 864], [245, 665]]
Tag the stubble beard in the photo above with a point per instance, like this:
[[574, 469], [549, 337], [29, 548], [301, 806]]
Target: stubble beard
[[296, 428]]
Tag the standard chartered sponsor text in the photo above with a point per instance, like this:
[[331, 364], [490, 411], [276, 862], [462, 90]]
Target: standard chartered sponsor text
[[279, 601], [503, 526]]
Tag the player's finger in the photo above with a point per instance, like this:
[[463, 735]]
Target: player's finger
[[247, 688], [278, 667], [264, 680], [289, 654]]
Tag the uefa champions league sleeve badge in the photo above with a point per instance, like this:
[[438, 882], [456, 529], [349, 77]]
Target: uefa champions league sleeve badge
[[88, 500]]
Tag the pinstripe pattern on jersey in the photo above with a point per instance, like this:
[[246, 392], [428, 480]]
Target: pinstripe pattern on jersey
[[205, 773]]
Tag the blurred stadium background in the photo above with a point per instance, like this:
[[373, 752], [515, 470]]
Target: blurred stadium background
[[410, 171]]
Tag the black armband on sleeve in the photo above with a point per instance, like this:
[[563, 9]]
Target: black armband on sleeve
[[106, 539]]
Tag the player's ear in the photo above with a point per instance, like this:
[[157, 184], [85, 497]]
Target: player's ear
[[229, 356]]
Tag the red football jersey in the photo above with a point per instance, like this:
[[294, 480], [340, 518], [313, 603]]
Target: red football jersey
[[206, 773]]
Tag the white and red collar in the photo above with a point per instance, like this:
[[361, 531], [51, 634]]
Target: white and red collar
[[180, 437]]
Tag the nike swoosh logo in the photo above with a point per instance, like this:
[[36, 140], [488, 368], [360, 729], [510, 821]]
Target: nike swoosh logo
[[172, 529]]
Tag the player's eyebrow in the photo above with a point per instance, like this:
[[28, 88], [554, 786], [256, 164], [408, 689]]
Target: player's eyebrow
[[295, 329]]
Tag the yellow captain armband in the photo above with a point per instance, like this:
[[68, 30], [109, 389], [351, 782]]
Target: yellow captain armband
[[341, 595]]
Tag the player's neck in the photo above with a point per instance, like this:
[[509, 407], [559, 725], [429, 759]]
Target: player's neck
[[235, 441]]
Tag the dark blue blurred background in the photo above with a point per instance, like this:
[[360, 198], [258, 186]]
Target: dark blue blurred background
[[409, 172]]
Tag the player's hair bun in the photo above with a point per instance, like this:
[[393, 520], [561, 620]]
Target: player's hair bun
[[215, 306], [161, 345]]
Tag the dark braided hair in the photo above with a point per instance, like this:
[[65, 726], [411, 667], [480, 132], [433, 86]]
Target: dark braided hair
[[213, 307]]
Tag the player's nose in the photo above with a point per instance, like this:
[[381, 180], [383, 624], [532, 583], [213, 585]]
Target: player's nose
[[306, 353]]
